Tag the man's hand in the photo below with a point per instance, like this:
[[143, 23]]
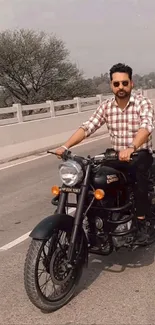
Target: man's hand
[[125, 154], [59, 152]]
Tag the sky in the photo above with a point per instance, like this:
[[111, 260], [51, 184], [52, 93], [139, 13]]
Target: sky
[[98, 33]]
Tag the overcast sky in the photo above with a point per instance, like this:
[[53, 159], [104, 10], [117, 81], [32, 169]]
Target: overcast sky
[[98, 33]]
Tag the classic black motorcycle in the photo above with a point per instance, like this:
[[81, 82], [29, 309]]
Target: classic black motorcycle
[[104, 220]]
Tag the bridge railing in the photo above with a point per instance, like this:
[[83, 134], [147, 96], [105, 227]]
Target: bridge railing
[[50, 109], [21, 113]]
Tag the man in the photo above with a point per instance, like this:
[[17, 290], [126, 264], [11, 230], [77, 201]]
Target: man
[[129, 118]]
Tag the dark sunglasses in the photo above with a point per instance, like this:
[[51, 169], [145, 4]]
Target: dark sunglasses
[[116, 84]]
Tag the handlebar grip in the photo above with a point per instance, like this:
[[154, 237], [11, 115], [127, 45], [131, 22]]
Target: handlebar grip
[[51, 152]]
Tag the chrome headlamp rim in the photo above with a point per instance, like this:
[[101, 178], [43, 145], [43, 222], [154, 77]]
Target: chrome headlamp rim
[[76, 172]]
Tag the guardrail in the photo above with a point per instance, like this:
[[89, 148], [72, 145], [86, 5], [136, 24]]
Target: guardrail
[[21, 113]]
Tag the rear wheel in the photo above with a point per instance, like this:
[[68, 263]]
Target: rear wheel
[[49, 281]]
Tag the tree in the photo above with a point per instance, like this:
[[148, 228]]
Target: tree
[[35, 67], [79, 88]]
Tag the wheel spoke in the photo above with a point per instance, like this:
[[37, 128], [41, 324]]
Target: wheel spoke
[[47, 281], [40, 274]]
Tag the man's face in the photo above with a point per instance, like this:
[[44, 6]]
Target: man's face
[[121, 85]]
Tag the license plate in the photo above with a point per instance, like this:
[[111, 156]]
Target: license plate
[[71, 190]]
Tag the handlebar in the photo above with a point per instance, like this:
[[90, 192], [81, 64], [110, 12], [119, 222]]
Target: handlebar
[[108, 155]]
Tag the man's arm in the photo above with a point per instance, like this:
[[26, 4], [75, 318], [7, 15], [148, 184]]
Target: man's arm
[[141, 137], [146, 127], [86, 129], [77, 137]]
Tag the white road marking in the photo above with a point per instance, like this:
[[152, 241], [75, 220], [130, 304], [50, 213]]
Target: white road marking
[[15, 242], [23, 162], [19, 240], [47, 154]]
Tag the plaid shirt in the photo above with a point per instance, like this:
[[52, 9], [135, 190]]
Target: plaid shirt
[[123, 124]]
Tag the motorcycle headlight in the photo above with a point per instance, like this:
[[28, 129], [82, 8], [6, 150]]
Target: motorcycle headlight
[[71, 173]]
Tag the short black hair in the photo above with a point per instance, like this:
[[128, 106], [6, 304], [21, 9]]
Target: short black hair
[[121, 67]]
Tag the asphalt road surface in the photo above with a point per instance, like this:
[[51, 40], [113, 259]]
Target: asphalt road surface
[[119, 289]]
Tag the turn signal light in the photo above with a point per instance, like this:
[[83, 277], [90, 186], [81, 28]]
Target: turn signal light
[[55, 190], [99, 194]]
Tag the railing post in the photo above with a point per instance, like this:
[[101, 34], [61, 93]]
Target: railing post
[[19, 112], [145, 93], [100, 97], [78, 103], [52, 109]]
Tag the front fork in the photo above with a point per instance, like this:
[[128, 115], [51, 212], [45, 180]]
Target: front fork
[[62, 203], [78, 214]]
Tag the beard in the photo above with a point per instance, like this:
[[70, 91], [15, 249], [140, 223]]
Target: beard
[[121, 94]]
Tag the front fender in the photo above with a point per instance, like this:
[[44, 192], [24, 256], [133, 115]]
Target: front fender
[[45, 228]]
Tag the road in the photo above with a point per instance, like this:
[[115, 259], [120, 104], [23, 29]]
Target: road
[[118, 289]]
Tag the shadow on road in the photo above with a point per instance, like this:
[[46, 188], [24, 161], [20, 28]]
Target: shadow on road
[[117, 262]]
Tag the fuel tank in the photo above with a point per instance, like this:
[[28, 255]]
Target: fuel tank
[[104, 177]]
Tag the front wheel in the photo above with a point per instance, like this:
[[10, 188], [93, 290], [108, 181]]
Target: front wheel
[[49, 282]]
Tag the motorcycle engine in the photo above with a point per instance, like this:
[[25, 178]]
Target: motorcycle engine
[[122, 240]]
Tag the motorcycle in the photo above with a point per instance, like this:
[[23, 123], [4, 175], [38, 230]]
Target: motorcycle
[[104, 221]]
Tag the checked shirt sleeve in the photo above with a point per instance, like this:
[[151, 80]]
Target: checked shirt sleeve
[[147, 115], [95, 121]]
